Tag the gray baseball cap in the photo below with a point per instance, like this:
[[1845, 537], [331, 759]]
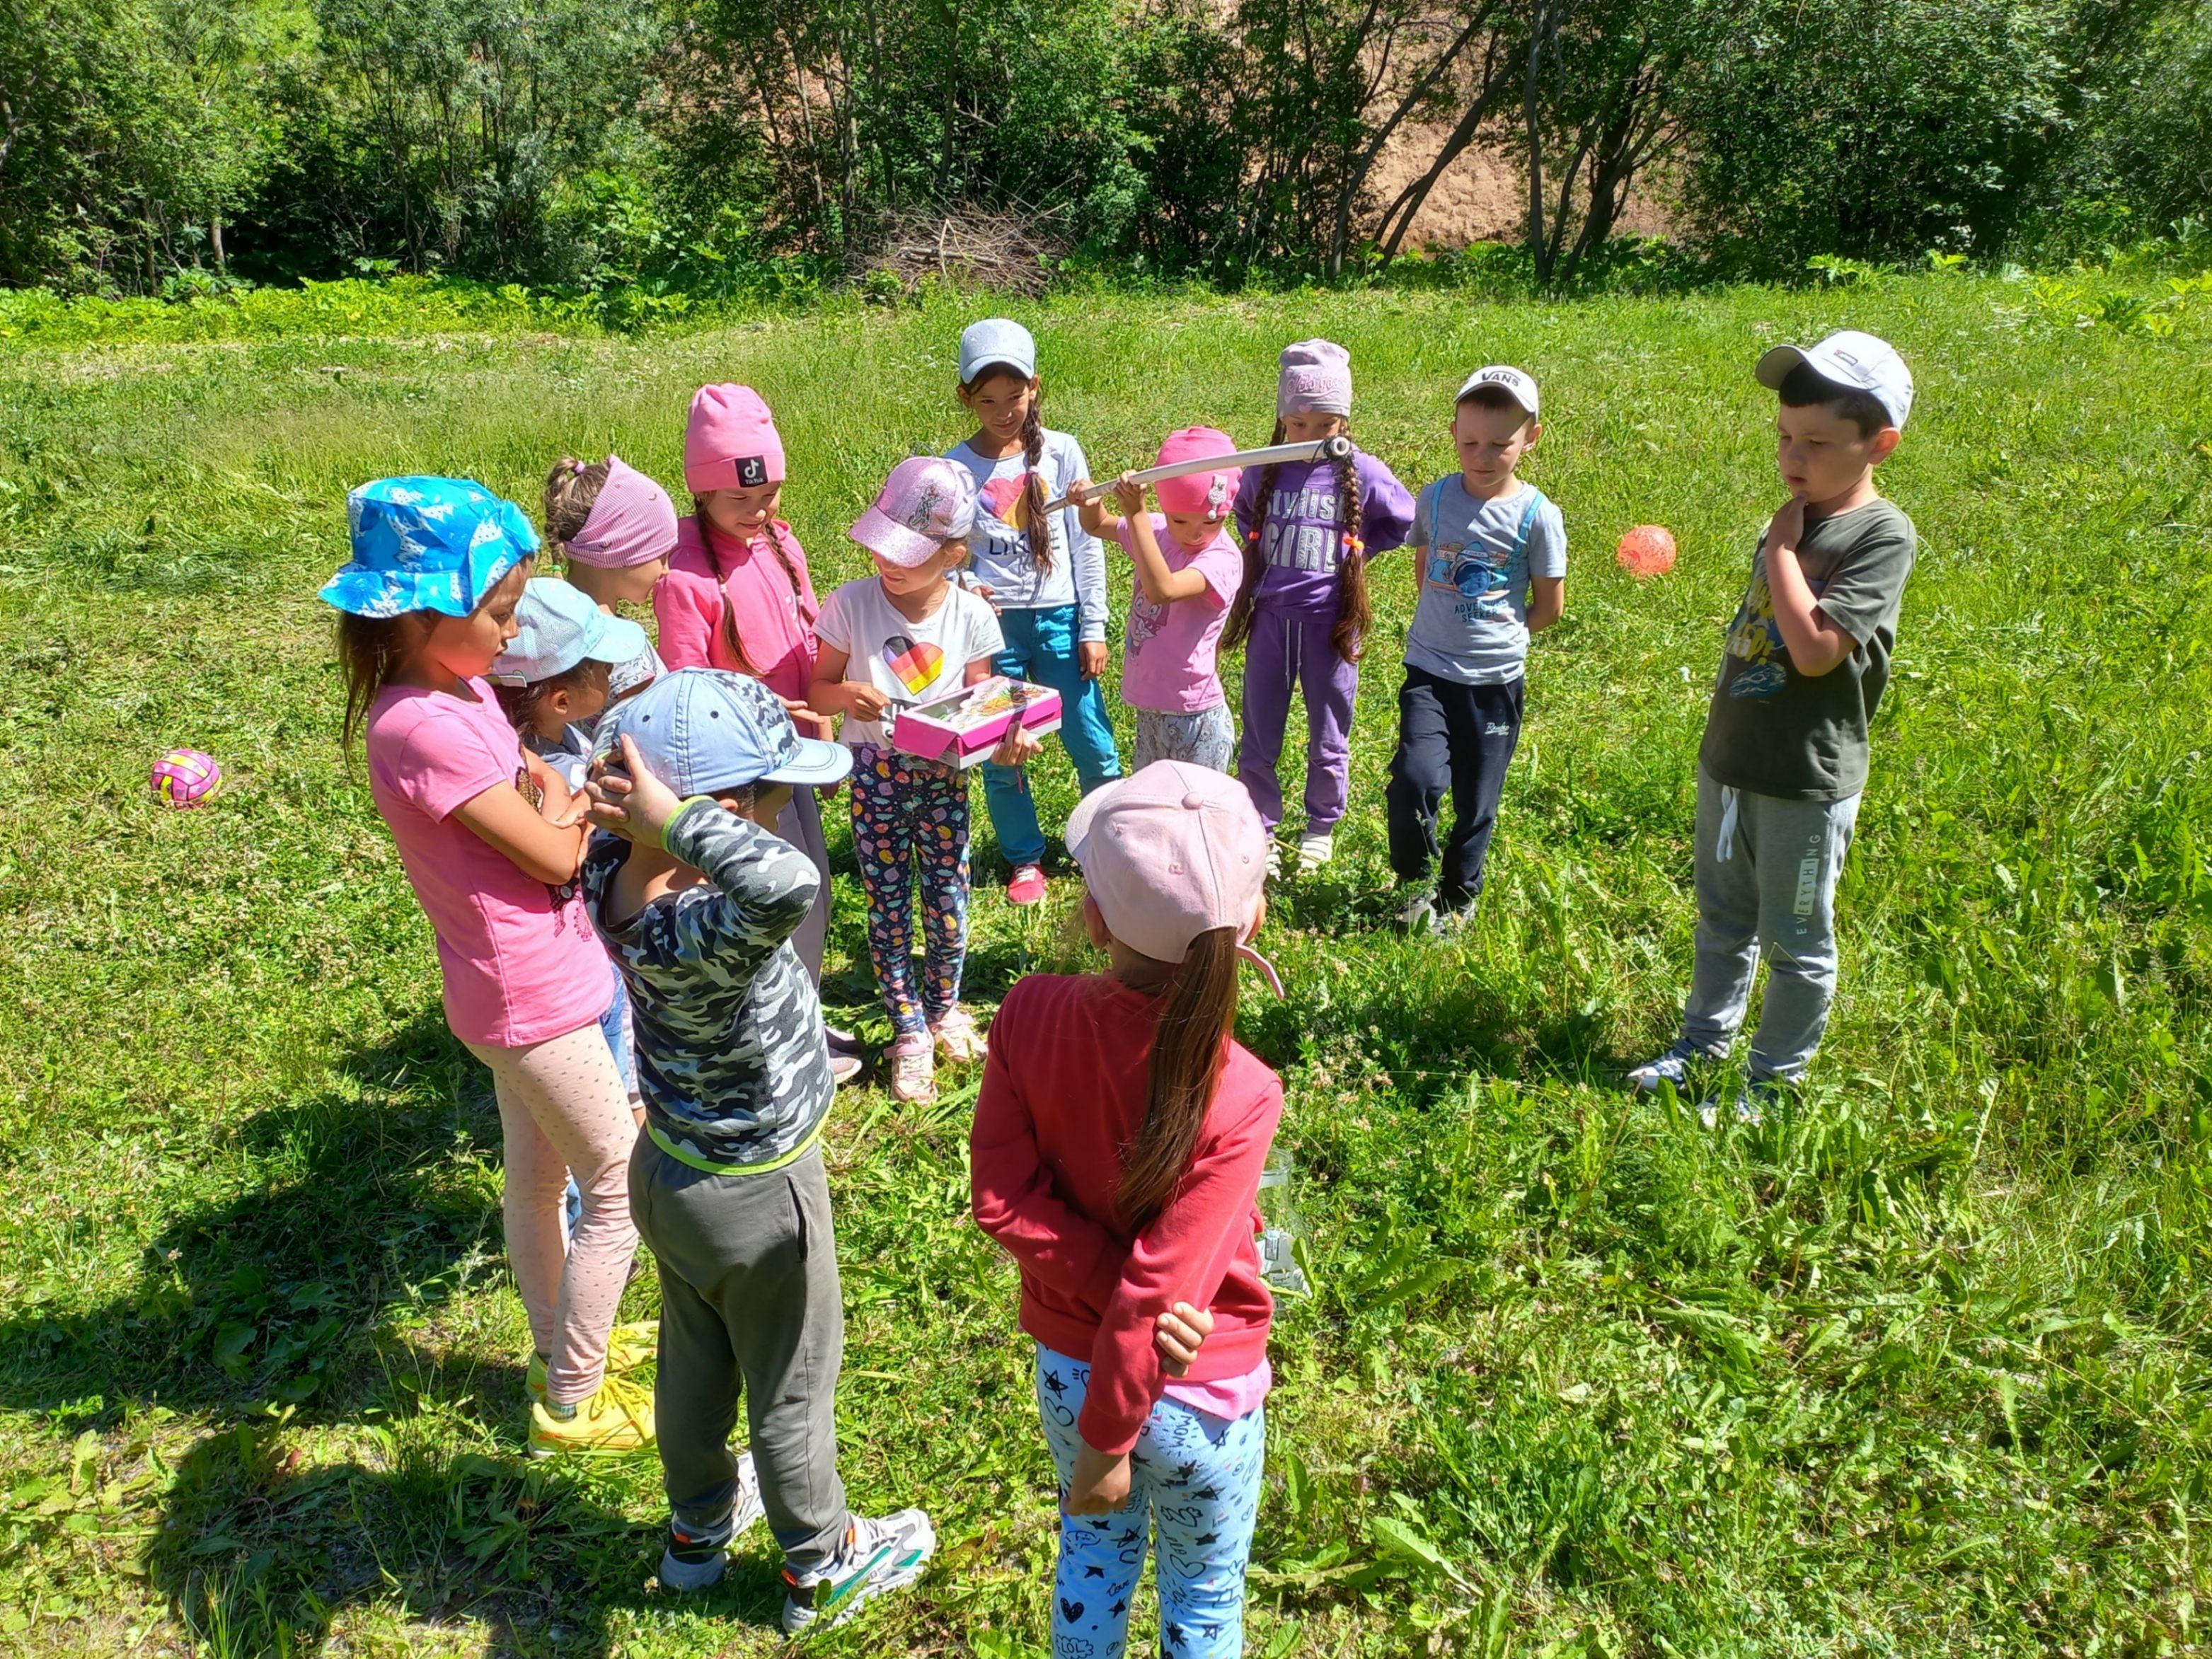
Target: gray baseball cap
[[704, 730]]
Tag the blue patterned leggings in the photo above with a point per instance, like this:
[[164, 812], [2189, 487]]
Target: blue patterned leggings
[[1195, 1484], [910, 822]]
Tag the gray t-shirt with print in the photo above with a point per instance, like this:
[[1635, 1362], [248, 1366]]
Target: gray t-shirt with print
[[1471, 625], [1799, 737]]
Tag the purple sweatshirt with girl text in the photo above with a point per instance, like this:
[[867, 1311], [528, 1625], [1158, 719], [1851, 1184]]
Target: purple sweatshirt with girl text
[[1303, 536]]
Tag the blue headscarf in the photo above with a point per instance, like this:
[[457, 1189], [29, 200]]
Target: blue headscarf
[[421, 543]]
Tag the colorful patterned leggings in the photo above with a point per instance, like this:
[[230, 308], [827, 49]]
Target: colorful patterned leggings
[[1194, 1487], [910, 822]]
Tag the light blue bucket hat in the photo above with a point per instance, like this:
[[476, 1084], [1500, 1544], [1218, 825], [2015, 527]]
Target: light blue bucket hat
[[425, 543]]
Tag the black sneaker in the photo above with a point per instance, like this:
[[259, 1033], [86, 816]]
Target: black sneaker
[[1418, 915]]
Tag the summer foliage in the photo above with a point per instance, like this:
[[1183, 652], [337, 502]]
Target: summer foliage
[[1920, 1368], [702, 145]]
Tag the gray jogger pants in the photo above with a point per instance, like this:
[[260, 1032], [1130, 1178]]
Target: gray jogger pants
[[751, 1308], [1766, 873]]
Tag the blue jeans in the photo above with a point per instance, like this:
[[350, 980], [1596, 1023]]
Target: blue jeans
[[1040, 646], [1194, 1485]]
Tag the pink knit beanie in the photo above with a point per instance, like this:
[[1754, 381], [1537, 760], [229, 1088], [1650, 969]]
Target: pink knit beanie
[[1207, 493], [730, 442], [1316, 379]]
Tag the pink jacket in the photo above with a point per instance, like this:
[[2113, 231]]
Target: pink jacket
[[714, 585]]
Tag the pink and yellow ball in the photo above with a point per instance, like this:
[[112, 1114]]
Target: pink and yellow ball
[[185, 777]]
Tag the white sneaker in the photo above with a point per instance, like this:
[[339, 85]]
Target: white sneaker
[[1314, 851], [691, 1564], [875, 1556], [1673, 1066], [914, 1069]]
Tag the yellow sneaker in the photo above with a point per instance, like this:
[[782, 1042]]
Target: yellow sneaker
[[629, 1347], [618, 1418]]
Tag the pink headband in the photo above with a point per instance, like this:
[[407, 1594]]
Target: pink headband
[[632, 522]]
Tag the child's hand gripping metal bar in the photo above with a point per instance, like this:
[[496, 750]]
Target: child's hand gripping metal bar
[[1323, 449]]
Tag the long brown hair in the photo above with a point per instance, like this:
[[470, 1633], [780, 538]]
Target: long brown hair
[[371, 651], [1039, 531], [766, 533], [1188, 1046], [572, 489], [1354, 613]]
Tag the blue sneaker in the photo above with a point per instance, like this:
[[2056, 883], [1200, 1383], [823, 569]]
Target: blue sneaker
[[1673, 1066], [876, 1556], [689, 1562]]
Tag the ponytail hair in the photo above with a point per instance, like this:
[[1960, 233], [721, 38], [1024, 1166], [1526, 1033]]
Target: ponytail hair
[[1039, 531], [572, 489], [767, 533], [1238, 629], [1188, 1046], [1353, 612]]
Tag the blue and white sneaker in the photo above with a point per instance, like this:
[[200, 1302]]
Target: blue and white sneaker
[[1673, 1066], [1750, 1105], [689, 1562], [876, 1556]]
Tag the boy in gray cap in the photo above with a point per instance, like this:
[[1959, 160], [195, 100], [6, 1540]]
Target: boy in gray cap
[[696, 898], [1784, 757]]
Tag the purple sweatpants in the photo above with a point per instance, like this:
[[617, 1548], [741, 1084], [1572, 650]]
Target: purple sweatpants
[[1287, 653]]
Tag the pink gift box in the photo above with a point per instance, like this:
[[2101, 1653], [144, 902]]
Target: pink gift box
[[962, 729]]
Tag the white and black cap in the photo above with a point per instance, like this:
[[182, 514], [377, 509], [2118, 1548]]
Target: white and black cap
[[1516, 385], [1861, 363]]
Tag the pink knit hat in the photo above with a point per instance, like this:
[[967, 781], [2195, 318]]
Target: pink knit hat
[[1316, 379], [730, 442], [926, 502], [631, 522], [1206, 493], [1172, 852]]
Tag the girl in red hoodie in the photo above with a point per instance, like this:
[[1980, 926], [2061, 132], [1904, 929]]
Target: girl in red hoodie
[[1116, 1154]]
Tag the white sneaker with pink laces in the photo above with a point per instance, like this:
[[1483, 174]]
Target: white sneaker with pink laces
[[913, 1068], [958, 1038]]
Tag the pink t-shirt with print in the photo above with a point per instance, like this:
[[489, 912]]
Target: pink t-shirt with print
[[1168, 650], [521, 960]]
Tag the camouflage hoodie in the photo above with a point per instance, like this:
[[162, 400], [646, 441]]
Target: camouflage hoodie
[[731, 1056]]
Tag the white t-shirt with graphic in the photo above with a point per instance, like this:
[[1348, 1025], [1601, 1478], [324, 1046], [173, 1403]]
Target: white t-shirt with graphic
[[999, 552], [909, 661]]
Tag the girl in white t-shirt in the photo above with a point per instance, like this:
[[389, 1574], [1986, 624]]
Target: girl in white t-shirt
[[902, 636]]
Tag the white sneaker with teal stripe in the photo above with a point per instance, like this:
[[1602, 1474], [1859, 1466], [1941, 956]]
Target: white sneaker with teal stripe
[[876, 1556]]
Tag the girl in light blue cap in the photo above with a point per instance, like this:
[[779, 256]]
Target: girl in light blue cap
[[491, 838]]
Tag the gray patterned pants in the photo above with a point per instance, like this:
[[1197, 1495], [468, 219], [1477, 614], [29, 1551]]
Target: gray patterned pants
[[1208, 739]]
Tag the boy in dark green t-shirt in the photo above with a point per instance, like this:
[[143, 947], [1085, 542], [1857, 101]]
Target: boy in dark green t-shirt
[[1784, 756]]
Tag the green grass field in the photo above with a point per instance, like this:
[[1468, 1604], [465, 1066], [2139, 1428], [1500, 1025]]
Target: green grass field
[[1922, 1368]]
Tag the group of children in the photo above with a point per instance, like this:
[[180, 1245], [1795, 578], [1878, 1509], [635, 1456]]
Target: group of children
[[619, 846]]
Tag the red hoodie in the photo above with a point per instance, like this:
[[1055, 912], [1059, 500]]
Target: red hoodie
[[1063, 1091]]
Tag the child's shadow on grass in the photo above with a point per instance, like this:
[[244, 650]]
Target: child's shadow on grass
[[269, 1313]]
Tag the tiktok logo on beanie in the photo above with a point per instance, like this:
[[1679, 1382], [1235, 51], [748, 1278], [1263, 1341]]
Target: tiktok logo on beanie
[[752, 472]]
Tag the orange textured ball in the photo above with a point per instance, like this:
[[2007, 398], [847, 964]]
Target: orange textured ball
[[1646, 551]]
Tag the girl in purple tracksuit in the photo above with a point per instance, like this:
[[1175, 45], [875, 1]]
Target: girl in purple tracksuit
[[1302, 615]]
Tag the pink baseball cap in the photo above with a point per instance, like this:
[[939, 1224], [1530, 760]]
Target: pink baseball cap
[[926, 502], [1207, 493], [632, 521], [1174, 851], [730, 441]]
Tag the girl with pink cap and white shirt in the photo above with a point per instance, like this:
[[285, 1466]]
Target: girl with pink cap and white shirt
[[738, 596], [1119, 1141], [1189, 570]]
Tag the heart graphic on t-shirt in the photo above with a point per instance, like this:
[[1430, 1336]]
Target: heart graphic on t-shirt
[[916, 666], [1006, 499]]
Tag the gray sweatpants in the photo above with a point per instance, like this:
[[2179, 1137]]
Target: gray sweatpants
[[750, 1305], [1766, 873]]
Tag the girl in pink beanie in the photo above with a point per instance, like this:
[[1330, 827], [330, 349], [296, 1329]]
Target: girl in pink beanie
[[1302, 616], [738, 596], [1189, 571]]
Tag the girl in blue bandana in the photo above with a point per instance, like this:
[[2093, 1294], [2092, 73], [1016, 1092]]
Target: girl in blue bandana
[[492, 839]]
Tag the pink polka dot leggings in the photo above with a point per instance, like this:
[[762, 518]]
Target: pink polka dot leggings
[[910, 825], [563, 1107]]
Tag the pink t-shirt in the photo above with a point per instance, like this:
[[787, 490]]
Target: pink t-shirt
[[1231, 1398], [1168, 650], [522, 962]]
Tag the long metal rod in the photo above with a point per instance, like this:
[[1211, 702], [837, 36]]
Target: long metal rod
[[1322, 449]]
